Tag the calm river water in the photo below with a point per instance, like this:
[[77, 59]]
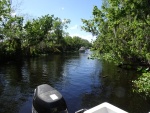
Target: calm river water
[[83, 82]]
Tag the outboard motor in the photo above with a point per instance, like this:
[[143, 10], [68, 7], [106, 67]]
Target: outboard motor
[[48, 100]]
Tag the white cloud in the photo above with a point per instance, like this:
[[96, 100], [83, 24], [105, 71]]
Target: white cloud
[[74, 27], [88, 37]]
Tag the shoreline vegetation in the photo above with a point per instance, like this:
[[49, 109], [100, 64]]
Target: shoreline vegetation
[[122, 29], [43, 35]]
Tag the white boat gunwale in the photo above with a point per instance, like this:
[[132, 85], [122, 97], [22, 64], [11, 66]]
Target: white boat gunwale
[[105, 108]]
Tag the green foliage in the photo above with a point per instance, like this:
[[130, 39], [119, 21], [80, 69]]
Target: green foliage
[[74, 43], [4, 9], [142, 85], [37, 30], [10, 30], [122, 29], [43, 35]]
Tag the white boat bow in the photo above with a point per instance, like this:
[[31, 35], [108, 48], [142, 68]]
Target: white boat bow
[[105, 108]]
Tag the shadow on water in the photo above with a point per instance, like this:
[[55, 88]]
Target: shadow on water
[[116, 88], [83, 82], [18, 80], [13, 90]]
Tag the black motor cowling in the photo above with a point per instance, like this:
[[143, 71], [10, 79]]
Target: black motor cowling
[[48, 100]]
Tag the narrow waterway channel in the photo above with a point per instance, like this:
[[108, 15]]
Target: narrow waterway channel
[[83, 82]]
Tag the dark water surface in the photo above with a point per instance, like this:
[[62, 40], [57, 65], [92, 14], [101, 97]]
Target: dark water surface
[[83, 82]]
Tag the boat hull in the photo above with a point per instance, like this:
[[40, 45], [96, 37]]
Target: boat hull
[[105, 108]]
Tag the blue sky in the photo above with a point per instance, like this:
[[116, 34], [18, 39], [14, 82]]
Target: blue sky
[[74, 10]]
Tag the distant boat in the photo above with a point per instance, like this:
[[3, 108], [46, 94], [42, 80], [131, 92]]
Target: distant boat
[[82, 49]]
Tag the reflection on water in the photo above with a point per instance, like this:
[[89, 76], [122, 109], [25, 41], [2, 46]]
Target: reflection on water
[[83, 82]]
